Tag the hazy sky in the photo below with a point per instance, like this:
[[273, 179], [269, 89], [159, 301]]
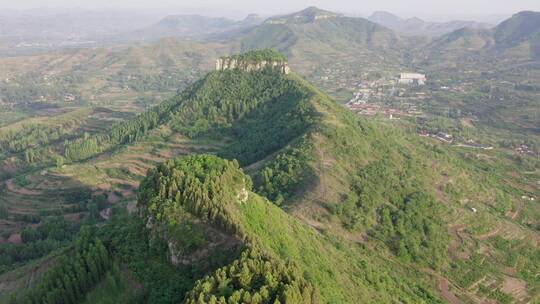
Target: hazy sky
[[407, 8]]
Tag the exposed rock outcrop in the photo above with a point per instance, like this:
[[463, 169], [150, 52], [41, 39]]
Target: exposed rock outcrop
[[309, 15], [216, 242], [229, 63]]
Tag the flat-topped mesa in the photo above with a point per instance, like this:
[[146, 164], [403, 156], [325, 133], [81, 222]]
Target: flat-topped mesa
[[254, 61]]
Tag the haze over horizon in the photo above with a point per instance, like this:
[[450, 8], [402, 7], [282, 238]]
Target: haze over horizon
[[441, 11]]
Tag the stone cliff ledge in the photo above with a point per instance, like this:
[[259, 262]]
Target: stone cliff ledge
[[254, 61]]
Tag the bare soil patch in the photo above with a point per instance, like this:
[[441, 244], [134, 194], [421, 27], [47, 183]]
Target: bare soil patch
[[516, 287], [444, 289], [9, 167], [15, 238], [131, 207], [112, 198]]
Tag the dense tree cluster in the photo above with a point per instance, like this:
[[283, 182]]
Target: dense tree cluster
[[56, 228], [254, 278], [53, 233], [74, 274], [385, 198], [82, 148], [260, 55], [131, 244], [30, 138], [204, 185], [272, 125], [281, 177], [414, 230], [210, 188], [223, 98], [123, 132]]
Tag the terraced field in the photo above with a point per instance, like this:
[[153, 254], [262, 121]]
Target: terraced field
[[116, 175]]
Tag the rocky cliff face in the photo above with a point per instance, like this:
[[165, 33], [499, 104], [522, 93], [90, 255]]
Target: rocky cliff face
[[227, 63]]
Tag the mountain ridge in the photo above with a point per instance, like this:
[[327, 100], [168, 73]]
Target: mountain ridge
[[417, 26], [517, 37], [193, 27], [308, 15]]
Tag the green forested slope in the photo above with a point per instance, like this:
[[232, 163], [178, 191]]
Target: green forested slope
[[368, 212], [214, 189]]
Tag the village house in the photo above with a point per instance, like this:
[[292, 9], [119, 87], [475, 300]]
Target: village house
[[69, 97], [412, 79], [445, 137]]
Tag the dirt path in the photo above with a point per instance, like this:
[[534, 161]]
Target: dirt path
[[517, 212], [444, 288], [22, 191], [15, 238], [461, 238], [9, 167], [489, 234], [444, 285]]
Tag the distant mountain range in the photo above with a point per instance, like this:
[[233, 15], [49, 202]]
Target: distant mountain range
[[313, 24], [522, 28], [307, 15], [417, 26], [518, 36], [68, 27], [192, 26], [320, 42]]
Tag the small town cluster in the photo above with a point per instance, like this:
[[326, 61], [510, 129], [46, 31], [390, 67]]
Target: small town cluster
[[395, 97]]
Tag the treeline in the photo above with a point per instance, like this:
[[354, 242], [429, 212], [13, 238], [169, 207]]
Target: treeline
[[163, 82], [254, 278], [414, 230], [31, 139], [225, 97], [30, 136], [204, 185], [74, 275], [17, 139], [263, 110], [56, 228], [121, 133]]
